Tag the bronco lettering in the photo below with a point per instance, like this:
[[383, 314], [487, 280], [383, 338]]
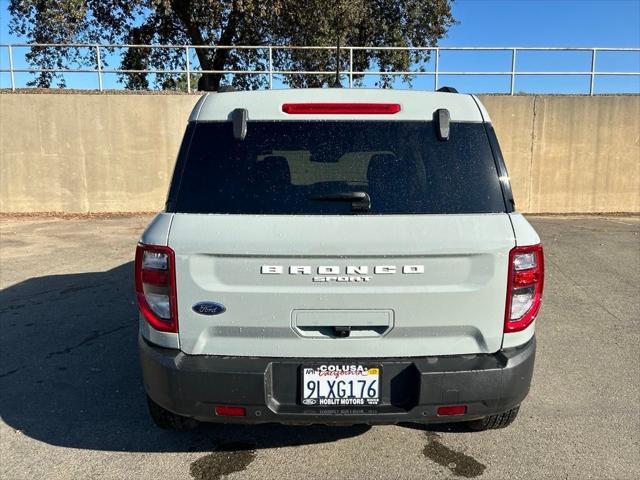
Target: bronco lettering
[[351, 271]]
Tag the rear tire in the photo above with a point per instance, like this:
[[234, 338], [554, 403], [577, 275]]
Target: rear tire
[[167, 420], [499, 420]]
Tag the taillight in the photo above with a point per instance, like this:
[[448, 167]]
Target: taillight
[[524, 288], [156, 286], [341, 108]]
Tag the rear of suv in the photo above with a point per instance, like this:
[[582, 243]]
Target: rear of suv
[[338, 257]]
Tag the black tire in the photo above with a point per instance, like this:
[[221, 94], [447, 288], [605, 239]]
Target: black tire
[[499, 420], [167, 420]]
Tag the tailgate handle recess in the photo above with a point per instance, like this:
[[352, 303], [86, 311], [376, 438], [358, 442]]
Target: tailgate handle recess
[[342, 323]]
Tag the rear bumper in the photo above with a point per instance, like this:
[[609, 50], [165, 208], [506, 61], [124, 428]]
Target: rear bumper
[[411, 388]]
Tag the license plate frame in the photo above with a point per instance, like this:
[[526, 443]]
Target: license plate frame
[[341, 372]]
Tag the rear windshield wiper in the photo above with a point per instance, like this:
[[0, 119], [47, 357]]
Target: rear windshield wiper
[[360, 201]]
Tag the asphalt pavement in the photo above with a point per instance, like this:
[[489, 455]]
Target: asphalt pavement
[[72, 404]]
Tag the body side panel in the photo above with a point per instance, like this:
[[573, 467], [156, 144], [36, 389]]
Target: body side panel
[[162, 339], [157, 232], [524, 233]]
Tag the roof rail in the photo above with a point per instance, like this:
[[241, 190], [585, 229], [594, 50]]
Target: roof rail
[[447, 90]]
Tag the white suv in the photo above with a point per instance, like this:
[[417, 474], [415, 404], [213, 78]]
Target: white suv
[[338, 256]]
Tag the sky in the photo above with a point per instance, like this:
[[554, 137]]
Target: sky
[[493, 23]]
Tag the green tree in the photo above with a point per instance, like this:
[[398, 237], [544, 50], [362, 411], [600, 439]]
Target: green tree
[[373, 23]]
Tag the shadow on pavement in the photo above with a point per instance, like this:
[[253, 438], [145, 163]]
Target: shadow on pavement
[[460, 427], [69, 372]]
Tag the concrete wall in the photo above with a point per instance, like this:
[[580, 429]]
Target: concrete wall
[[570, 154], [110, 153], [88, 153]]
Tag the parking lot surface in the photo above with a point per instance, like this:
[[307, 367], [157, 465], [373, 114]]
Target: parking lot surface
[[72, 403]]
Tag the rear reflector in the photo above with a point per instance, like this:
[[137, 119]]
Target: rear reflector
[[341, 108], [228, 411], [452, 410]]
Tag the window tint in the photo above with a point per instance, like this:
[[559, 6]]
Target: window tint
[[291, 167]]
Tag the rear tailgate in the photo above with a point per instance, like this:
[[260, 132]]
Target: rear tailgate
[[446, 297]]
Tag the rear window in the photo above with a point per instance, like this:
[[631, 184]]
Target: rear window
[[306, 167]]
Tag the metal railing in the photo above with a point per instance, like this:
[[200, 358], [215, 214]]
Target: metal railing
[[100, 71]]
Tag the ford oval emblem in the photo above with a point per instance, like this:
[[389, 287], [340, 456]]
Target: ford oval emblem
[[209, 308]]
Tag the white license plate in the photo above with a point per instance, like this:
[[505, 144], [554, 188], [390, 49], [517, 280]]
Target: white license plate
[[337, 385]]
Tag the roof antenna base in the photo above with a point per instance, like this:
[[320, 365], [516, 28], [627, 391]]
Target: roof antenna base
[[446, 89]]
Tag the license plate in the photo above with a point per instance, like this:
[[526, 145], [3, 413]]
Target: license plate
[[338, 385]]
